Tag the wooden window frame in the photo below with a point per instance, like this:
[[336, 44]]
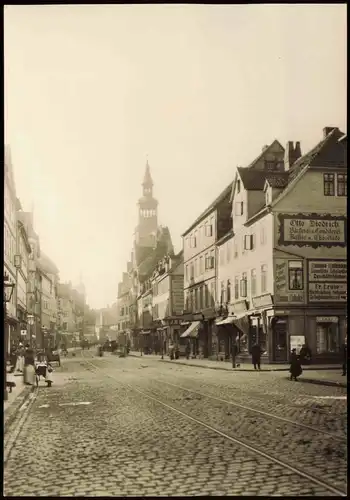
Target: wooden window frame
[[343, 184], [329, 184]]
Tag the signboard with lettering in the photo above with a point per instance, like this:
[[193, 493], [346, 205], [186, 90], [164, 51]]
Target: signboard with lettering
[[262, 300], [327, 292], [328, 270], [282, 293], [312, 230], [327, 280]]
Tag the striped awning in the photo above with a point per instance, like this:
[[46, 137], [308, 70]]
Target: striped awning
[[192, 330]]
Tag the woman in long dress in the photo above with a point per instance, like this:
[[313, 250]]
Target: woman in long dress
[[29, 368]]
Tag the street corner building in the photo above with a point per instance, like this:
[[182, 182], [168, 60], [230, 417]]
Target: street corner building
[[282, 269]]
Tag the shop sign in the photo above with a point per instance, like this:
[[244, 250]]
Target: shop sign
[[327, 292], [327, 319], [327, 270], [312, 230], [262, 300], [281, 283], [239, 307]]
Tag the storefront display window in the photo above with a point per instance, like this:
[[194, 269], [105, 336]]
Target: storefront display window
[[327, 338]]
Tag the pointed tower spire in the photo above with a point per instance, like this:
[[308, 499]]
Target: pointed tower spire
[[147, 180]]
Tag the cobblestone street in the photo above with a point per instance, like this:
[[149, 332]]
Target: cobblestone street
[[134, 426]]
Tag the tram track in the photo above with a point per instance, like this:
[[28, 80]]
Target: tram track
[[256, 411], [151, 394]]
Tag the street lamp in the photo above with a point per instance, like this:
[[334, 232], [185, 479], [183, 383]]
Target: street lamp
[[30, 321], [8, 291]]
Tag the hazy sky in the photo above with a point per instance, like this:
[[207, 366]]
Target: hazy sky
[[91, 90]]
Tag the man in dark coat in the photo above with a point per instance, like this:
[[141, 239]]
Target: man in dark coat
[[234, 353], [256, 356], [345, 354], [295, 365]]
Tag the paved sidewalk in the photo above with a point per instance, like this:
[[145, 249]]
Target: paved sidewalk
[[316, 374], [15, 398]]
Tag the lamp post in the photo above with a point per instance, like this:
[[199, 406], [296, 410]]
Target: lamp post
[[8, 291], [30, 321]]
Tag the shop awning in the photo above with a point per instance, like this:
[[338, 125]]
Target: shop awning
[[242, 324], [227, 321], [192, 330]]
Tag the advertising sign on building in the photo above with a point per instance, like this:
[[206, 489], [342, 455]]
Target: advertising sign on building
[[327, 280], [282, 292], [312, 230], [327, 292], [328, 270]]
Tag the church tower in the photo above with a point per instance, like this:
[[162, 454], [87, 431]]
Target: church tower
[[146, 230]]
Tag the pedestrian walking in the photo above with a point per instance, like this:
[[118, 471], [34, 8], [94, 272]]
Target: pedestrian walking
[[188, 350], [20, 359], [256, 356], [345, 355], [295, 365], [49, 377], [234, 352], [13, 359], [29, 367]]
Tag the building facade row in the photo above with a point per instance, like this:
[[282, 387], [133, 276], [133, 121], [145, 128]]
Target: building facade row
[[264, 263], [41, 311]]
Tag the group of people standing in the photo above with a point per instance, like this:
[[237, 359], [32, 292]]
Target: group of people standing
[[23, 361]]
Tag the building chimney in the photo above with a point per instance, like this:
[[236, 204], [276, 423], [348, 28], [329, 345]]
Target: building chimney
[[264, 148], [288, 156], [297, 151], [327, 130]]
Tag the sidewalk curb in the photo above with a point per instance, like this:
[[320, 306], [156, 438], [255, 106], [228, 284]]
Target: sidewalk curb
[[11, 412], [243, 370], [329, 383]]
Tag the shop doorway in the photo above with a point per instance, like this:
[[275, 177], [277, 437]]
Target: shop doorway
[[280, 339]]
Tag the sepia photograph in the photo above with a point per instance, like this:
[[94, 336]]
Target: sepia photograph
[[175, 250]]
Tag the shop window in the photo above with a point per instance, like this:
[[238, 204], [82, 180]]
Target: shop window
[[327, 338], [263, 278], [295, 275], [328, 184], [342, 185], [237, 287], [253, 282]]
